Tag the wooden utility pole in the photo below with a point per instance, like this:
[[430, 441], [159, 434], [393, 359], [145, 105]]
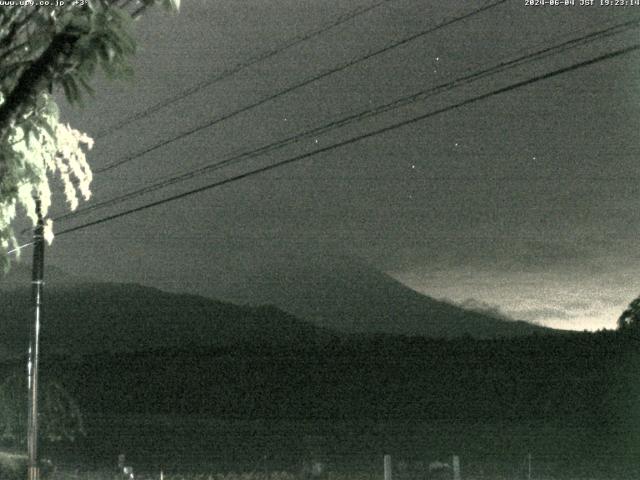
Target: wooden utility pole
[[34, 339]]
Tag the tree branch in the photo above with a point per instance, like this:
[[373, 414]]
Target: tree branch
[[16, 27], [34, 79]]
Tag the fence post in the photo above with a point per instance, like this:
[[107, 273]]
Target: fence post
[[387, 467], [455, 464]]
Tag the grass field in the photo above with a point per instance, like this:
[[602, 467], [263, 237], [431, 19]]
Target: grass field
[[107, 475], [201, 448]]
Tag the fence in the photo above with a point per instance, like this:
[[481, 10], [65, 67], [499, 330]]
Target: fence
[[384, 467]]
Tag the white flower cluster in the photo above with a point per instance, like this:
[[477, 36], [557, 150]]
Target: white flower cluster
[[36, 150]]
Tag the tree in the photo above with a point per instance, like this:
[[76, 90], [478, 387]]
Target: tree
[[60, 417], [43, 49], [630, 318]]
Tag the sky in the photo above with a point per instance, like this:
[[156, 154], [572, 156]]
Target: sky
[[525, 201]]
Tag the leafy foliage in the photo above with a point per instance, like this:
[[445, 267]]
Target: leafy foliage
[[13, 466], [42, 48], [39, 146], [630, 318], [59, 419]]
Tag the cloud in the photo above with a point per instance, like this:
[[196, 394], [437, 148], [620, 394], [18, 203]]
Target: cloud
[[570, 312], [533, 315], [545, 313], [489, 253], [480, 306], [588, 301]]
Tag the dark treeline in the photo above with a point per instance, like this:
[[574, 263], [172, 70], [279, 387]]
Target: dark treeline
[[565, 395], [593, 376]]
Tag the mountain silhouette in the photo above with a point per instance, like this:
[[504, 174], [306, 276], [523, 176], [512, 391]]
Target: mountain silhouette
[[345, 294], [90, 317], [296, 304]]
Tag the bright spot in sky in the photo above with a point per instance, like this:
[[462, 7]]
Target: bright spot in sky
[[554, 299], [437, 59], [413, 166]]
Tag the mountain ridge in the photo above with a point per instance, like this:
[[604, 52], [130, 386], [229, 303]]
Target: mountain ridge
[[346, 294], [318, 303], [130, 318]]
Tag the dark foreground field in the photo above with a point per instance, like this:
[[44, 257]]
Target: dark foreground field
[[199, 447], [570, 401]]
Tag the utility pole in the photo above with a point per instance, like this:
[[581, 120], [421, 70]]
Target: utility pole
[[34, 338]]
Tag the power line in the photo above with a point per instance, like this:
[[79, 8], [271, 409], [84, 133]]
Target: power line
[[499, 91], [304, 83], [17, 249], [465, 79], [241, 66], [292, 88]]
